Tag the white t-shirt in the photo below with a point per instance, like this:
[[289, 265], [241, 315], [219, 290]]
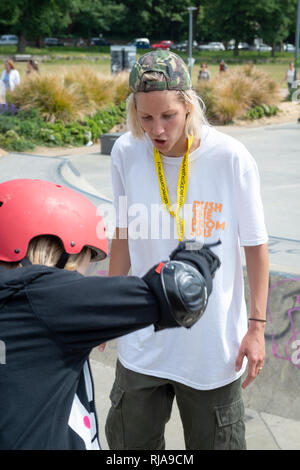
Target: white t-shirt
[[222, 202], [290, 76], [11, 79]]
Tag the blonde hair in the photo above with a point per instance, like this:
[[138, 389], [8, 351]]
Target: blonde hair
[[195, 118], [46, 250]]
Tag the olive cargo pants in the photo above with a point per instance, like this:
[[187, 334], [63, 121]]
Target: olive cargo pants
[[141, 406]]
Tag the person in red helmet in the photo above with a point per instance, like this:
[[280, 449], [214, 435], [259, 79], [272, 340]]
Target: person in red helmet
[[51, 316]]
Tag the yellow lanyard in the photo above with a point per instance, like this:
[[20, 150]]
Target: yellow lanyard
[[181, 187]]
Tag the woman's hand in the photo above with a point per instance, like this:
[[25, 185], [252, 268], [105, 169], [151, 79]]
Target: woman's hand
[[253, 344], [252, 347]]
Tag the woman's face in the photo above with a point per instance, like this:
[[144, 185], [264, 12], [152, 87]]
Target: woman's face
[[7, 67], [163, 117]]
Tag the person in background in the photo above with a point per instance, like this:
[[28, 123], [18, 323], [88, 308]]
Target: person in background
[[10, 76], [289, 77], [204, 73], [223, 66]]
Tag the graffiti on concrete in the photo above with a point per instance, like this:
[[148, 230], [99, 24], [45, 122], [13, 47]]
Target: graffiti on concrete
[[283, 314], [98, 269]]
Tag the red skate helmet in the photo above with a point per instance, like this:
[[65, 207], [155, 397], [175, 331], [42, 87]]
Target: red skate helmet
[[31, 207]]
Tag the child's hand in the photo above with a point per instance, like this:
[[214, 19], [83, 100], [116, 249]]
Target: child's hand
[[102, 347]]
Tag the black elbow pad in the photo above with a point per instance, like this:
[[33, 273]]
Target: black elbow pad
[[181, 293], [185, 290], [183, 285]]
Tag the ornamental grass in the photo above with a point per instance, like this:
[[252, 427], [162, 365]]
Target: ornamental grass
[[74, 93], [230, 95], [71, 95]]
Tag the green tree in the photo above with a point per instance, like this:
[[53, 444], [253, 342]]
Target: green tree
[[157, 19], [94, 17], [172, 19], [233, 19], [276, 18], [31, 19], [135, 20]]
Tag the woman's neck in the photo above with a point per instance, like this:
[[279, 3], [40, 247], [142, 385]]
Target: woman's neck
[[181, 149]]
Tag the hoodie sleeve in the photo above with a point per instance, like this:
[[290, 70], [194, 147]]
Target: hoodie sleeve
[[84, 312]]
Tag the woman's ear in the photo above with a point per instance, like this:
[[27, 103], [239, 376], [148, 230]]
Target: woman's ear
[[188, 109]]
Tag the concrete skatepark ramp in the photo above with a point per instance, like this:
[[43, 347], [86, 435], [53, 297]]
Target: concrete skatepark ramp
[[272, 401]]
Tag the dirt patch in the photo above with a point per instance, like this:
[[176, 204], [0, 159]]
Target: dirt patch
[[289, 112], [3, 153]]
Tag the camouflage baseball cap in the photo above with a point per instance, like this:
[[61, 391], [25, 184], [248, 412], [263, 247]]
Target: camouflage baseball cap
[[170, 65]]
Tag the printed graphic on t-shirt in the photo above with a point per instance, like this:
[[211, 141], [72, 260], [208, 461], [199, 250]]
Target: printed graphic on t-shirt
[[207, 218], [202, 219]]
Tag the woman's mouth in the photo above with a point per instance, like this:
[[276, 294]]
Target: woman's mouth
[[159, 142]]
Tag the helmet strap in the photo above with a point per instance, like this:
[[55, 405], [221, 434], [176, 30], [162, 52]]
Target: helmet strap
[[62, 260], [25, 262]]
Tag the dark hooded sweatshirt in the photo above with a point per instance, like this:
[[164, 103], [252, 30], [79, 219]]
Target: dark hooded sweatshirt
[[50, 320]]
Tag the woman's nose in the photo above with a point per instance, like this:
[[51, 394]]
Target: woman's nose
[[157, 127]]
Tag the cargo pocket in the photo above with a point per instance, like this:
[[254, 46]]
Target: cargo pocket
[[114, 429], [230, 427]]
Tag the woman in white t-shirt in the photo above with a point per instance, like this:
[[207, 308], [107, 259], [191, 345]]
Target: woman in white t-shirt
[[10, 76], [175, 177], [289, 77]]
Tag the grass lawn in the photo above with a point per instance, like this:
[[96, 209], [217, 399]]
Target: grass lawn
[[59, 50]]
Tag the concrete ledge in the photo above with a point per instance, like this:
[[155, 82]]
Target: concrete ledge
[[22, 57], [276, 390], [107, 142]]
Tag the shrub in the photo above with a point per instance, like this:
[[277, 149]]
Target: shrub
[[260, 111], [207, 93], [12, 141], [8, 109], [71, 95], [121, 88], [94, 88], [72, 108], [232, 95], [264, 90], [27, 129], [54, 100], [227, 109]]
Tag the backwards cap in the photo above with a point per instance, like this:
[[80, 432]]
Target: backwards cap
[[170, 65]]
